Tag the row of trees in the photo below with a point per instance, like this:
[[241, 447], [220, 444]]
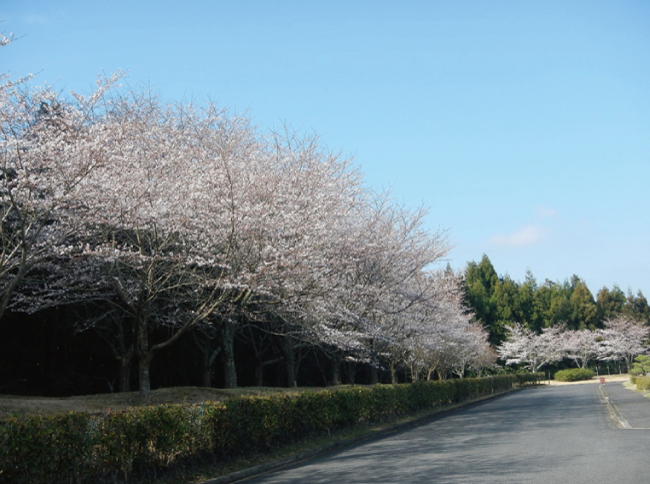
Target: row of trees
[[154, 221], [620, 339], [147, 224], [499, 302]]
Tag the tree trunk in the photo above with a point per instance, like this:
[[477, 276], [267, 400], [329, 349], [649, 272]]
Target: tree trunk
[[228, 355], [206, 377], [628, 363], [115, 338], [144, 357], [259, 374], [322, 370], [393, 374], [208, 361], [259, 371], [124, 383], [414, 374], [374, 375], [203, 338], [144, 365], [351, 368], [335, 360], [289, 361]]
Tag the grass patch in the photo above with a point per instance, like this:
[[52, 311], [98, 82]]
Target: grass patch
[[631, 386], [23, 405]]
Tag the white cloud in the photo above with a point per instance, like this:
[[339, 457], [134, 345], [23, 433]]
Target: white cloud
[[526, 235]]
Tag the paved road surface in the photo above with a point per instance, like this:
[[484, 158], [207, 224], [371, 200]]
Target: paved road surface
[[562, 434]]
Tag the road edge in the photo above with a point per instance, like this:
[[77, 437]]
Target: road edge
[[373, 434], [614, 412]]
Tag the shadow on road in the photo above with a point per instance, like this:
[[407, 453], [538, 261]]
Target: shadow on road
[[541, 435]]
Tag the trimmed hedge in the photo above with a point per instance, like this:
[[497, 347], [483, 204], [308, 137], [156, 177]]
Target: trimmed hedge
[[80, 447], [575, 374]]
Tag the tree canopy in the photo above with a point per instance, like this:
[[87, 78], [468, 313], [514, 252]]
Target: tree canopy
[[153, 221], [499, 302]]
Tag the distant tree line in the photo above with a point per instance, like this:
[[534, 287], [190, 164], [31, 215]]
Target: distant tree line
[[500, 302], [621, 340]]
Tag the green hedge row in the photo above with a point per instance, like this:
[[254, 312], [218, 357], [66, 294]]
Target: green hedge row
[[574, 374], [80, 447]]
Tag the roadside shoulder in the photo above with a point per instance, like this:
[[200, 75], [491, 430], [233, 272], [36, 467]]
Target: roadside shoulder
[[372, 434]]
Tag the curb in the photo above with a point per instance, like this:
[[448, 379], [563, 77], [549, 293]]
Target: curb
[[280, 463], [614, 412]]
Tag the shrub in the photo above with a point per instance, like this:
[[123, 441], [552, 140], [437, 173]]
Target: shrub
[[79, 447], [529, 378], [46, 448], [641, 365], [643, 383], [575, 374]]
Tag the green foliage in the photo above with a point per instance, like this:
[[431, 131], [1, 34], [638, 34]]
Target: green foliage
[[610, 303], [641, 365], [80, 447], [642, 383], [480, 282], [637, 307], [524, 379], [584, 312], [499, 302], [574, 374], [46, 449]]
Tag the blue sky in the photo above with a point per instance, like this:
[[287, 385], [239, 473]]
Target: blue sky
[[523, 125]]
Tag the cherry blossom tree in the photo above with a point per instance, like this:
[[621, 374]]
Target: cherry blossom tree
[[379, 259], [454, 347], [169, 265], [48, 146], [168, 218], [194, 219], [284, 211], [533, 350], [622, 339], [134, 225], [484, 359], [433, 334], [473, 351], [581, 346]]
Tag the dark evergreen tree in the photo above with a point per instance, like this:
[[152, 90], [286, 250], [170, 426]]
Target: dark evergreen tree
[[610, 303], [637, 307], [530, 309], [480, 282], [584, 312]]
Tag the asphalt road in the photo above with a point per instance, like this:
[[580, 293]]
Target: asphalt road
[[561, 434]]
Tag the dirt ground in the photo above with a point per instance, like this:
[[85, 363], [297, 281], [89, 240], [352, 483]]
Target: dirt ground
[[22, 405], [608, 379]]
